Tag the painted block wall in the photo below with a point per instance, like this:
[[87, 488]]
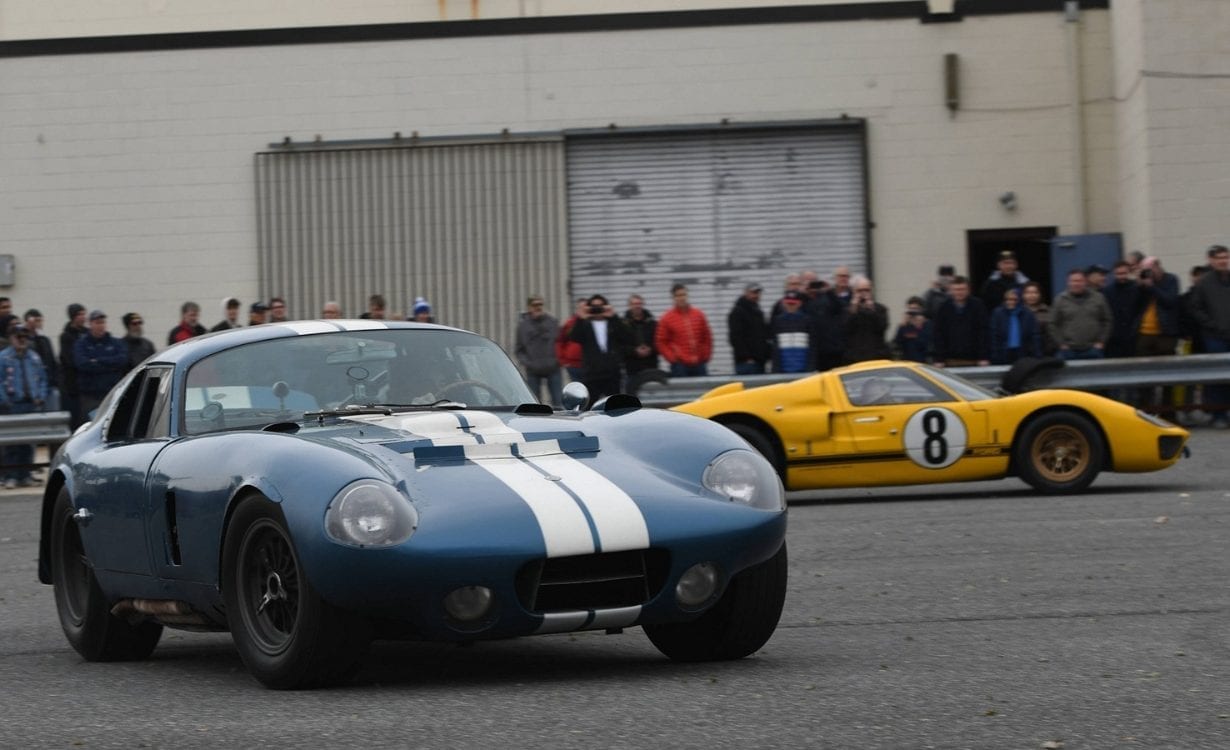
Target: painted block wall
[[127, 177]]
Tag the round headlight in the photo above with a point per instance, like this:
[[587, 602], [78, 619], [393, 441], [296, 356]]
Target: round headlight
[[367, 513], [745, 477]]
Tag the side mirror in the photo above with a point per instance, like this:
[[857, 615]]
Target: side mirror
[[575, 396]]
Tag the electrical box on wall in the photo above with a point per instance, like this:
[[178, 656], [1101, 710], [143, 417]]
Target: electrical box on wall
[[8, 268]]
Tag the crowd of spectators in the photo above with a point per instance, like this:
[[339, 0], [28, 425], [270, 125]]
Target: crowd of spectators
[[1134, 309], [88, 360]]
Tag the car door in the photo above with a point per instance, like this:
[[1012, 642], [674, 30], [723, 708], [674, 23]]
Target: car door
[[905, 425], [116, 490]]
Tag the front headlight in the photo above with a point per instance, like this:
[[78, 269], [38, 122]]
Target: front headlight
[[368, 513], [745, 477]]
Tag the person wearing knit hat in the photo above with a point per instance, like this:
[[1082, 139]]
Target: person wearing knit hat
[[421, 313], [69, 396]]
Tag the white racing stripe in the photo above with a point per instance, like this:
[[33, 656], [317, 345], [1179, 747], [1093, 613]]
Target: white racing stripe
[[304, 327], [361, 325], [564, 527], [617, 518], [551, 485]]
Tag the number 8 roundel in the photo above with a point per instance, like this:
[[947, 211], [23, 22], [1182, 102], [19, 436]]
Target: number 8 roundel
[[935, 437]]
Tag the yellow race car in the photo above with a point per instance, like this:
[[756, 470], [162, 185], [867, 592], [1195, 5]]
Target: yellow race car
[[890, 423]]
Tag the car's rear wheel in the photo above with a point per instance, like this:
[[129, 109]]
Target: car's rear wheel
[[1059, 452], [287, 635], [740, 623], [760, 441], [87, 621]]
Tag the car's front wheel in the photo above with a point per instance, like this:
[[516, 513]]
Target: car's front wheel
[[87, 621], [1059, 452], [738, 625], [287, 635]]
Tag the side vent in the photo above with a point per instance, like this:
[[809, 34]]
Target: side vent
[[173, 531]]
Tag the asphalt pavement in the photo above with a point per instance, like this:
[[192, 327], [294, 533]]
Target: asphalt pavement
[[960, 616]]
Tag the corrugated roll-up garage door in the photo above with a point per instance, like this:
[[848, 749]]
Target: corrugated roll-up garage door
[[474, 227], [714, 210]]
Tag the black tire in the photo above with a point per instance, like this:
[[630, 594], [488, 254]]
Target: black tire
[[761, 442], [1059, 452], [738, 625], [85, 616], [288, 637]]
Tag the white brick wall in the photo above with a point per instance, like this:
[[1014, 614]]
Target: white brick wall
[[127, 177]]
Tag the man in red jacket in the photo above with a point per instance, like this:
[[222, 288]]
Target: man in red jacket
[[683, 337]]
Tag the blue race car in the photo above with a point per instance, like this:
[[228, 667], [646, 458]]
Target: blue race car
[[313, 486]]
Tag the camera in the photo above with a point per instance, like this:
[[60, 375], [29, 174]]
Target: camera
[[1146, 273], [597, 309]]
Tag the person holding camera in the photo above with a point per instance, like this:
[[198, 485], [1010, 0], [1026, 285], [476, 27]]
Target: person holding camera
[[866, 324], [1157, 321], [605, 342]]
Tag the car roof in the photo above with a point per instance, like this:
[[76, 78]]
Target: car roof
[[198, 347]]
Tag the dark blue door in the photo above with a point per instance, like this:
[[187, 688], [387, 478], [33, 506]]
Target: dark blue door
[[1081, 251]]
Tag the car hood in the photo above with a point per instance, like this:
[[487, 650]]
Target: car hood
[[569, 471]]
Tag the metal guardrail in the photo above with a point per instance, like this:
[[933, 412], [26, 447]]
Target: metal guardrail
[[49, 428], [1081, 375]]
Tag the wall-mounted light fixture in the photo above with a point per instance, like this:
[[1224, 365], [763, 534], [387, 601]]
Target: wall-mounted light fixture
[[1008, 200]]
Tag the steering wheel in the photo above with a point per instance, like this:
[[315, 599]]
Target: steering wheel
[[477, 384]]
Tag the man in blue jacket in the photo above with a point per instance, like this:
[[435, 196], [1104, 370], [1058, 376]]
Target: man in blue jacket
[[101, 361], [23, 389]]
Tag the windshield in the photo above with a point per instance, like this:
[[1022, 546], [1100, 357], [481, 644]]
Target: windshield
[[278, 380], [959, 385]]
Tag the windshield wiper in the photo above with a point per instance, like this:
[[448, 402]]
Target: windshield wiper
[[387, 410], [349, 411]]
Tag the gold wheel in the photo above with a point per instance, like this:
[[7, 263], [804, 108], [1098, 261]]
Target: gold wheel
[[1060, 452]]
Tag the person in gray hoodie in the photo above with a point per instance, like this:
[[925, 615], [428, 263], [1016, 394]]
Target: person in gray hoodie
[[535, 350], [1081, 320]]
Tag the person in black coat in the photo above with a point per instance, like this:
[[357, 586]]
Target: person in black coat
[[749, 333], [605, 342], [962, 328], [642, 355], [1123, 296]]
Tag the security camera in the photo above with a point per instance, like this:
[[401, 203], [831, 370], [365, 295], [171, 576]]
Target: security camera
[[1008, 200]]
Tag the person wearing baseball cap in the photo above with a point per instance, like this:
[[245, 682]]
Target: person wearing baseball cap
[[139, 347], [1006, 276], [256, 313], [748, 332], [792, 330], [101, 361], [23, 389]]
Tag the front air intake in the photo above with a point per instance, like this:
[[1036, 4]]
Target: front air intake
[[605, 580]]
